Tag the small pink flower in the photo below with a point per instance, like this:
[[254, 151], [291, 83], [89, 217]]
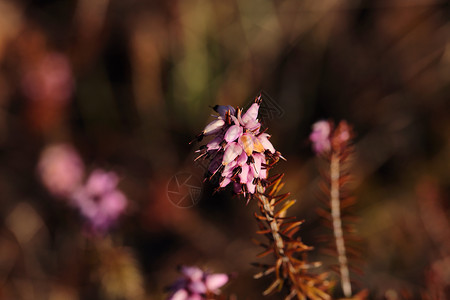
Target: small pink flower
[[99, 200], [60, 169], [195, 284], [239, 146], [320, 137]]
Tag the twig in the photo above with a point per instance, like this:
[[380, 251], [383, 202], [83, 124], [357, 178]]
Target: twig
[[337, 225]]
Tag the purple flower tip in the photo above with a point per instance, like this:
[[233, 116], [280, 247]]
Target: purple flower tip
[[320, 137]]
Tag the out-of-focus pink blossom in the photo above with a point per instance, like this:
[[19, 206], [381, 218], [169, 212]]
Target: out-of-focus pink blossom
[[341, 135], [195, 284], [50, 79], [326, 138], [99, 200], [320, 137], [215, 281], [238, 150], [61, 169]]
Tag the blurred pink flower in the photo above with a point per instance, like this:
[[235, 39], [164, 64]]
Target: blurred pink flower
[[341, 135], [61, 169], [99, 200], [50, 79], [320, 137], [195, 284]]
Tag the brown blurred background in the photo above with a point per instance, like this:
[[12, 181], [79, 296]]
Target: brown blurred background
[[131, 85]]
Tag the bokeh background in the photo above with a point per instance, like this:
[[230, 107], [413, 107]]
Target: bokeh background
[[130, 83]]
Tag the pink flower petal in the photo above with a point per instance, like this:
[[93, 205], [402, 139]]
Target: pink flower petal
[[225, 182], [257, 146], [195, 297], [228, 170], [213, 127], [214, 144], [197, 287], [215, 281], [82, 199], [322, 128], [233, 133], [113, 204], [320, 137], [235, 120], [253, 126], [242, 159], [232, 151], [264, 139], [263, 173], [180, 295], [251, 114], [193, 273], [251, 187], [244, 173], [258, 158], [101, 181]]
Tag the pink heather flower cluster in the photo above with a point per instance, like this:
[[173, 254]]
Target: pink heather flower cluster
[[239, 148], [325, 138], [196, 284], [61, 170]]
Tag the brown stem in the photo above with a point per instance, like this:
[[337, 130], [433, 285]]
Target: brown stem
[[337, 225], [288, 269], [269, 214]]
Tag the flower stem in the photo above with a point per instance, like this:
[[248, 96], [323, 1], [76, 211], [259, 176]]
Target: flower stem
[[268, 210], [337, 224]]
